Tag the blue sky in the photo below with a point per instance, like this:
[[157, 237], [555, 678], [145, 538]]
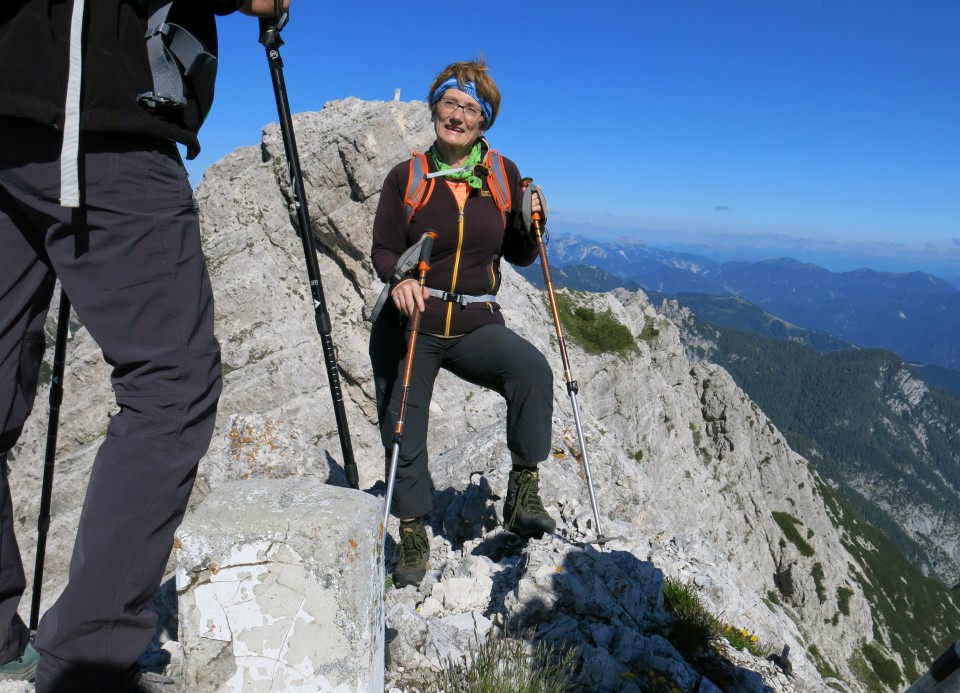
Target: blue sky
[[834, 122]]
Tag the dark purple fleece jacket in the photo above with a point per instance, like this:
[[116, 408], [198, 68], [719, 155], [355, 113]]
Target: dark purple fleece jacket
[[466, 254]]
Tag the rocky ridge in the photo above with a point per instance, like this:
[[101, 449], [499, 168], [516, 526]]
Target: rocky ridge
[[689, 472]]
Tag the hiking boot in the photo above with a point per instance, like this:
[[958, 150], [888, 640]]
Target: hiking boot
[[23, 668], [523, 511], [413, 554]]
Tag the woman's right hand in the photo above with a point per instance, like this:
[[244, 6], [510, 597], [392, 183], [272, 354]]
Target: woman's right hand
[[408, 295]]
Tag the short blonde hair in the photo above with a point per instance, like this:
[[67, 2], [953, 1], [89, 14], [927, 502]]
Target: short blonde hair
[[469, 71]]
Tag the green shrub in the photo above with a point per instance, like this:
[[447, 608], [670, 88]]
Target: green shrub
[[697, 440], [887, 670], [597, 333], [818, 582], [788, 525], [843, 600], [649, 331]]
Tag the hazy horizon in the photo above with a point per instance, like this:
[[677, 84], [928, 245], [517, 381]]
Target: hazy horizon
[[833, 255]]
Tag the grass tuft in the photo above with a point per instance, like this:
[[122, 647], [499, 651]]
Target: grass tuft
[[507, 664], [694, 629]]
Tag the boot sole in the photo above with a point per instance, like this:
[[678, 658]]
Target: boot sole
[[530, 535], [403, 581]]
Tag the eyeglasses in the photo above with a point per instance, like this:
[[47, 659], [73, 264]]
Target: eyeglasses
[[448, 107]]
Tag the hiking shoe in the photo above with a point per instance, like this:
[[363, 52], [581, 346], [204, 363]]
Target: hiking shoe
[[413, 555], [23, 668], [523, 511]]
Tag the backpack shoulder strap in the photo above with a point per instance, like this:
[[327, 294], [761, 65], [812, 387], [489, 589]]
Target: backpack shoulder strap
[[497, 182], [176, 55], [167, 83], [419, 187]]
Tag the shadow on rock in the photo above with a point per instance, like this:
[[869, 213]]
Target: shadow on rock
[[608, 607]]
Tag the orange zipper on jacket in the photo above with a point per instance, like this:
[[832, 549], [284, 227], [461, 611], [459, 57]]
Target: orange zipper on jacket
[[456, 269]]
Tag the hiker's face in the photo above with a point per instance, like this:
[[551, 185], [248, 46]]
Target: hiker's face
[[456, 128]]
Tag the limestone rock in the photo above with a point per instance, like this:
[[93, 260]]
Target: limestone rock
[[280, 583]]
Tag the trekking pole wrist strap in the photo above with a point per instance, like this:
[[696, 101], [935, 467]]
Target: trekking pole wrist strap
[[526, 206], [402, 270], [397, 278]]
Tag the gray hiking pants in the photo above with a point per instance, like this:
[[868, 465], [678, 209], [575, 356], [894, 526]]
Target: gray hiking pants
[[494, 357], [130, 261]]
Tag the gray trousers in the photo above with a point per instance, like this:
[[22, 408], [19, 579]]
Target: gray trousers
[[494, 357], [130, 261]]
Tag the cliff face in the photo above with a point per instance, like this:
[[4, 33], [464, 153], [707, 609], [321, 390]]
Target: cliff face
[[691, 477]]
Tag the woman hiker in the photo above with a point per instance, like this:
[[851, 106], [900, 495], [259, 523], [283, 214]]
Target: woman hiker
[[461, 327]]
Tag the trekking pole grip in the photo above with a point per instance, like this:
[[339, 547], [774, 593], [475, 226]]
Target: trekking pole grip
[[526, 207], [532, 219], [270, 27], [426, 250], [423, 267]]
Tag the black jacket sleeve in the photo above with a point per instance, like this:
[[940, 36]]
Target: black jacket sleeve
[[519, 246]]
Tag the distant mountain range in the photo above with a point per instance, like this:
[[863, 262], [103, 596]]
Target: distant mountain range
[[913, 314]]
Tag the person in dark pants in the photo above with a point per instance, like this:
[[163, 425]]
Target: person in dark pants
[[93, 192], [461, 327]]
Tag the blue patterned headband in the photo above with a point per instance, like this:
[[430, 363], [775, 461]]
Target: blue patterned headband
[[467, 88]]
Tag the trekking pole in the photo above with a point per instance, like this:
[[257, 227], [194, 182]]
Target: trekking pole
[[46, 488], [533, 220], [270, 38], [423, 266]]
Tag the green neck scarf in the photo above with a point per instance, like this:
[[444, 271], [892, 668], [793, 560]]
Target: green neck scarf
[[463, 173]]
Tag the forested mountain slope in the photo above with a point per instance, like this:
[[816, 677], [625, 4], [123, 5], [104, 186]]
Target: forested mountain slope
[[866, 421]]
